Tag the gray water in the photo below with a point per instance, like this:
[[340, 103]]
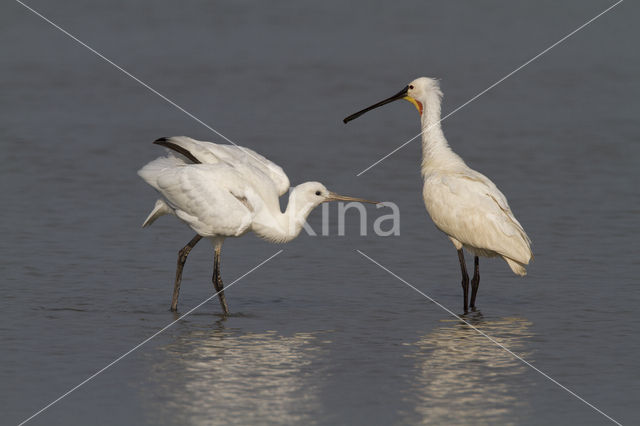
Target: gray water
[[318, 335]]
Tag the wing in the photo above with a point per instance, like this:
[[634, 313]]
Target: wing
[[210, 153], [213, 199], [470, 208]]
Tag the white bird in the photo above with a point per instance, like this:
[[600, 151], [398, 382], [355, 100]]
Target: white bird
[[463, 203], [223, 191]]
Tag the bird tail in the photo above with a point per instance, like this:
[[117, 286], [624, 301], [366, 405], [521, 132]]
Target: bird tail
[[160, 209], [153, 169], [517, 267]]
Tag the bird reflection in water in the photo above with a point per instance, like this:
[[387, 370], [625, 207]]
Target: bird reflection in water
[[463, 378], [226, 377]]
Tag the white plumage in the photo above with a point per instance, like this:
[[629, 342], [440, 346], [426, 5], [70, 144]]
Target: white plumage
[[475, 215], [463, 203], [223, 191]]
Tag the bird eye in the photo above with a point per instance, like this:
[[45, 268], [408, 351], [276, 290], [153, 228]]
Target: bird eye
[[317, 192], [411, 87]]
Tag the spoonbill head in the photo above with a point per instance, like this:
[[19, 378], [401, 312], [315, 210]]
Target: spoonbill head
[[417, 93], [312, 194]]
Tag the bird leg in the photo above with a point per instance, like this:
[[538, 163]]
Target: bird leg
[[182, 258], [465, 279], [475, 281], [217, 280]]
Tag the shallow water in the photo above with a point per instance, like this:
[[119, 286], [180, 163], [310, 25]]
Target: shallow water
[[318, 335]]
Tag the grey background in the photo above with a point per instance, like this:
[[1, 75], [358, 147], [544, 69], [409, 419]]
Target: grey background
[[319, 334]]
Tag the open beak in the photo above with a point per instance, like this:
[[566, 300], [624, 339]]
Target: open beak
[[400, 95], [336, 197]]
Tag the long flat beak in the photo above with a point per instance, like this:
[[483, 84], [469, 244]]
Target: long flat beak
[[400, 95], [337, 197]]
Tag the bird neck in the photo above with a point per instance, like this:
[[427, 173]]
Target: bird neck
[[436, 153], [279, 227]]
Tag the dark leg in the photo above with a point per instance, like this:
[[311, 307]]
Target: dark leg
[[182, 258], [475, 281], [217, 280], [465, 280]]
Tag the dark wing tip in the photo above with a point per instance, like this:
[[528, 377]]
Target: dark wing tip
[[160, 141], [166, 142]]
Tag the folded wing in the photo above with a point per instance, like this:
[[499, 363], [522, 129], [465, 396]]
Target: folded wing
[[471, 209], [213, 199]]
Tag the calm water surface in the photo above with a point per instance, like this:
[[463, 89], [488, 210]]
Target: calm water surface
[[319, 335]]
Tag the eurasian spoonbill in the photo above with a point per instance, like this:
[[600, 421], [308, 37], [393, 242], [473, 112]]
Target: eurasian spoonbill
[[223, 191], [463, 203]]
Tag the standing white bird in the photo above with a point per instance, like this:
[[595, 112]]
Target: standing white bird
[[223, 191], [463, 203]]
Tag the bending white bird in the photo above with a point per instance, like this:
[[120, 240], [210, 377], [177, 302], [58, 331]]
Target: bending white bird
[[223, 191], [462, 203]]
